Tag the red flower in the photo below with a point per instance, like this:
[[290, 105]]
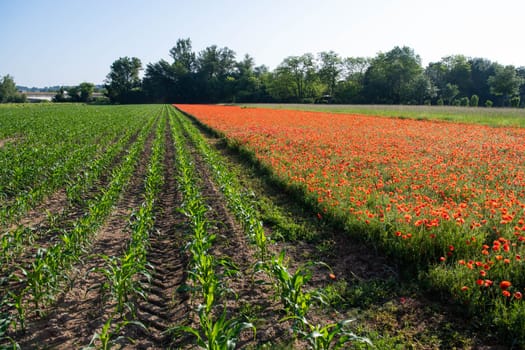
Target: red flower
[[518, 295], [506, 293], [505, 284]]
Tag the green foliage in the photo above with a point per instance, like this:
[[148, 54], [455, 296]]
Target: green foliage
[[505, 82], [46, 275], [123, 81], [331, 336], [8, 91], [395, 77], [392, 76], [489, 103], [474, 101], [515, 101]]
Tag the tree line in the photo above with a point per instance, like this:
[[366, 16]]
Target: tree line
[[215, 75], [394, 77]]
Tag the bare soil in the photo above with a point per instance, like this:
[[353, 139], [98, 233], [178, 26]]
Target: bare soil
[[3, 142], [81, 310], [64, 214]]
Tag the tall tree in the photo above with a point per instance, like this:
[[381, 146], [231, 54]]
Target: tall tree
[[301, 73], [330, 70], [245, 80], [123, 81], [390, 75], [215, 68], [184, 60], [8, 91], [160, 83], [505, 83], [481, 70], [86, 91], [458, 72]]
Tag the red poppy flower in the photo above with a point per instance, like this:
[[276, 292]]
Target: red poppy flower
[[505, 284]]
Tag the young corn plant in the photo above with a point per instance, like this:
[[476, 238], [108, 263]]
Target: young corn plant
[[109, 334], [44, 277], [214, 332], [289, 287], [332, 336], [238, 200], [124, 275], [119, 273], [6, 321]]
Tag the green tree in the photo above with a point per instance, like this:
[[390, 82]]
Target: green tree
[[330, 70], [73, 93], [297, 75], [389, 79], [350, 88], [505, 83], [161, 84], [215, 70], [481, 70], [419, 90], [86, 91], [184, 59], [60, 95], [449, 93], [123, 82], [8, 91], [245, 80], [474, 101], [458, 72]]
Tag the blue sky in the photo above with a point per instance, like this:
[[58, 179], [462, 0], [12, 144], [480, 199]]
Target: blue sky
[[58, 42]]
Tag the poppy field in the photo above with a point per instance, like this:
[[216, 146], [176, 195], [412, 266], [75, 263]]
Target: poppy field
[[444, 200]]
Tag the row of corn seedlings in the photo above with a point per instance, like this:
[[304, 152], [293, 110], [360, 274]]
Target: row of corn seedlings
[[49, 151], [217, 330], [84, 180], [14, 241], [125, 274], [43, 279], [289, 287], [239, 200]]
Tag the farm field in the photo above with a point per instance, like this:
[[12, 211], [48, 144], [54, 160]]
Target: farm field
[[136, 227], [444, 199], [478, 115]]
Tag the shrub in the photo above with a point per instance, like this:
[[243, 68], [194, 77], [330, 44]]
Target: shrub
[[474, 101], [488, 103], [515, 102], [464, 101]]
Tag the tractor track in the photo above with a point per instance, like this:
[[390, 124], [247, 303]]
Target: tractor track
[[164, 306]]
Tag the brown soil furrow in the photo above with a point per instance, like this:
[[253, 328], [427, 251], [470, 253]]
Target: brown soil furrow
[[58, 206], [232, 243], [164, 306], [80, 311]]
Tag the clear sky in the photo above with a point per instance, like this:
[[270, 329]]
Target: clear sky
[[66, 42]]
